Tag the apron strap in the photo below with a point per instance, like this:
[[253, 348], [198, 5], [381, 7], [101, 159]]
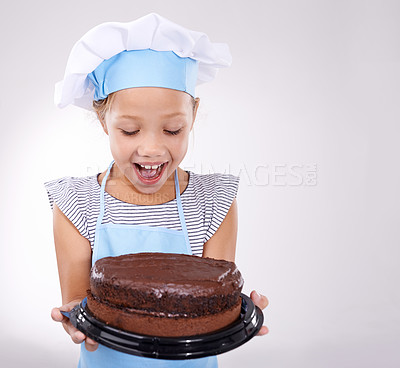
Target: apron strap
[[181, 214], [102, 190]]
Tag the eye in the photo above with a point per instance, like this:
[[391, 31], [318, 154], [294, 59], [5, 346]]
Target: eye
[[175, 132], [124, 132]]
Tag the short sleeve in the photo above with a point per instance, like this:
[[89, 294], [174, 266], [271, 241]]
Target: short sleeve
[[223, 192], [69, 197]]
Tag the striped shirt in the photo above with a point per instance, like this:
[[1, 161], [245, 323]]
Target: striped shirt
[[205, 201]]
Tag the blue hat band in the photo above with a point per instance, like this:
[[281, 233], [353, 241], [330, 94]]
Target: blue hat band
[[144, 68]]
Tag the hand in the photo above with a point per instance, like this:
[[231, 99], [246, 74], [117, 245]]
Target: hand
[[261, 302], [76, 335]]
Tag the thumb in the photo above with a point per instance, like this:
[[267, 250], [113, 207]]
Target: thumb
[[259, 300], [56, 315]]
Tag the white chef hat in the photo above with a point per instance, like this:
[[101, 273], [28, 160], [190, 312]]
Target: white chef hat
[[149, 51]]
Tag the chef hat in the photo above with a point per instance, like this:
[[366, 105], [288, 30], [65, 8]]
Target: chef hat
[[148, 52]]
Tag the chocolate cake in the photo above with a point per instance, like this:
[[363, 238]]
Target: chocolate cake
[[164, 294]]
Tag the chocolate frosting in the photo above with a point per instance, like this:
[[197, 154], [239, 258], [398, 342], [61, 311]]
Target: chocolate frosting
[[167, 273], [167, 282]]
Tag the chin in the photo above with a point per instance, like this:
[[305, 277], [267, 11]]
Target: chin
[[148, 190]]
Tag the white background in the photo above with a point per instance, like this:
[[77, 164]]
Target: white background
[[308, 116]]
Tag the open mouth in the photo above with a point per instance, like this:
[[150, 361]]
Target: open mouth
[[149, 172]]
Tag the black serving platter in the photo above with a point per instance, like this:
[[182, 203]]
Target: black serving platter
[[173, 348]]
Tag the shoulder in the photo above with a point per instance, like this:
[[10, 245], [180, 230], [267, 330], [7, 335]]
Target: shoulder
[[74, 181], [215, 183], [70, 189], [214, 193], [74, 197]]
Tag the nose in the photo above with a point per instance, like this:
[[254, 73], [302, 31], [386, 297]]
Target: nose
[[150, 145]]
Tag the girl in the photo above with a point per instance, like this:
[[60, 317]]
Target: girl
[[140, 79]]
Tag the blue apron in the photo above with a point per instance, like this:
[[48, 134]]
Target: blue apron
[[118, 239]]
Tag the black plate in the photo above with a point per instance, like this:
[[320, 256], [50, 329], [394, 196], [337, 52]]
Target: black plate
[[174, 348]]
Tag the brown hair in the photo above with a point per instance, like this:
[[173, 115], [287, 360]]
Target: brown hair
[[101, 107]]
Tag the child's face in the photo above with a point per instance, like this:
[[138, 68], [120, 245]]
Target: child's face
[[149, 126]]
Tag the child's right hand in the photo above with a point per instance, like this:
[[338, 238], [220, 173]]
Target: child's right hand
[[76, 335]]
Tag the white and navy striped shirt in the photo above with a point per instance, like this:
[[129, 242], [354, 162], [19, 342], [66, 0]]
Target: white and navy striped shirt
[[205, 201]]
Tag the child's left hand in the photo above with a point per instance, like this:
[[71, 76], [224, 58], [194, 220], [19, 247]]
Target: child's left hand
[[261, 302]]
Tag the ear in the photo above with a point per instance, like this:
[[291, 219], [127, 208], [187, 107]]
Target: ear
[[196, 106], [102, 122]]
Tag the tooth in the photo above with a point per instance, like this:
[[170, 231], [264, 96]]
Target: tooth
[[150, 166]]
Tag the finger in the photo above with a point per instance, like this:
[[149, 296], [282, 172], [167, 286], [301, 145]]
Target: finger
[[77, 336], [71, 330], [259, 300], [57, 316], [90, 344], [263, 331]]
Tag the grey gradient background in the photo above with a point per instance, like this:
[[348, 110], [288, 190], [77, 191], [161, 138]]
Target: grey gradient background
[[308, 116]]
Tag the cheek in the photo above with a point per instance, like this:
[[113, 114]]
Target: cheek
[[119, 147], [180, 146]]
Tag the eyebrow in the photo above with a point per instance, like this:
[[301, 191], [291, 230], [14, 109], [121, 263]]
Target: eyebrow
[[171, 115]]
